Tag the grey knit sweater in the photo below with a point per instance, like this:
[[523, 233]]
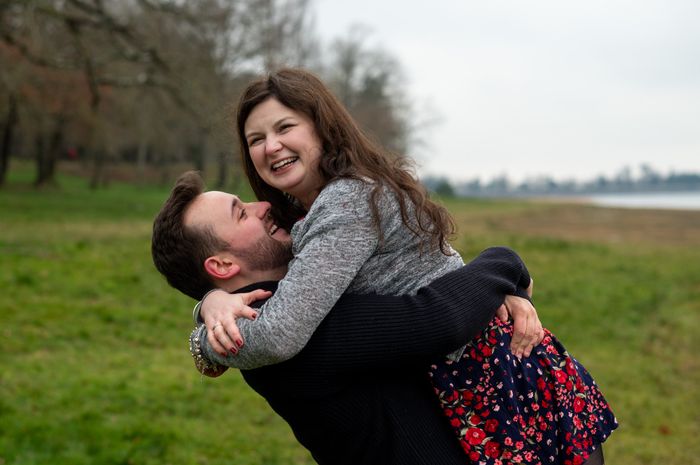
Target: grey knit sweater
[[336, 250]]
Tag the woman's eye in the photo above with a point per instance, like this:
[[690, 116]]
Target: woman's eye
[[243, 214], [255, 141]]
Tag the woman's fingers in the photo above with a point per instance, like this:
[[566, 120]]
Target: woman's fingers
[[214, 341], [527, 328], [253, 296], [502, 313], [220, 311]]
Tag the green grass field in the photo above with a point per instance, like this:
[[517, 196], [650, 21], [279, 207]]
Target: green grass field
[[95, 367]]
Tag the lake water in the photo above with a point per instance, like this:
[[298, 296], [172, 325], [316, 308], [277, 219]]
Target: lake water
[[665, 200]]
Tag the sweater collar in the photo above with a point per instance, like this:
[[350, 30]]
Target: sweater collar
[[264, 285]]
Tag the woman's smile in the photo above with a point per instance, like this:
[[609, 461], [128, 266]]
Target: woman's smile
[[285, 149], [282, 164]]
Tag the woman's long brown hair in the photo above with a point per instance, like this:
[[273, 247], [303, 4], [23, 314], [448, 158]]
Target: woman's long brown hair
[[347, 153]]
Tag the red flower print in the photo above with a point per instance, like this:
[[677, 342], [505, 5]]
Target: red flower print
[[560, 376], [475, 419], [578, 460], [579, 404], [459, 411], [474, 456], [491, 425], [492, 449], [519, 445], [486, 350], [475, 436], [467, 396]]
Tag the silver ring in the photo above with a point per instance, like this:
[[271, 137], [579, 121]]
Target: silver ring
[[216, 325]]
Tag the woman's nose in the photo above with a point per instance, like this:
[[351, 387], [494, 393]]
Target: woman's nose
[[272, 145]]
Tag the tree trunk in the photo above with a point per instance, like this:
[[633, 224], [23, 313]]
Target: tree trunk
[[47, 156], [40, 150], [196, 155], [97, 178], [141, 157], [7, 137], [222, 171]]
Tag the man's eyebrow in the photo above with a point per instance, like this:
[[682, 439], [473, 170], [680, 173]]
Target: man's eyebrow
[[234, 203]]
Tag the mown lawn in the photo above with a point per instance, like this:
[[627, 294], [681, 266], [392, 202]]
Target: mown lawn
[[95, 368]]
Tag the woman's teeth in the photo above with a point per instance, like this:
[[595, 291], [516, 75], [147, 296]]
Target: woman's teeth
[[283, 163]]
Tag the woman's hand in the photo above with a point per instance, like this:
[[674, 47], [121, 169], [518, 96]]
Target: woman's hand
[[220, 311], [527, 328]]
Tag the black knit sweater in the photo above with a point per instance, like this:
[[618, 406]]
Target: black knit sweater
[[359, 393]]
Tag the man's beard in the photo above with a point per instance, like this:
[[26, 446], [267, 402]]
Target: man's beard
[[266, 254]]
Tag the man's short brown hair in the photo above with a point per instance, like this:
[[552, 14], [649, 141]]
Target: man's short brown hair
[[179, 251]]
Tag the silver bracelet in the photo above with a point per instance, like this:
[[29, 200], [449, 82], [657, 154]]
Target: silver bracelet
[[198, 307]]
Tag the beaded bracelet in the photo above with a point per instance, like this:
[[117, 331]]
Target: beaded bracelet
[[203, 364]]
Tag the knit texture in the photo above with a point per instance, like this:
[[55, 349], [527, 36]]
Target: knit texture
[[336, 250]]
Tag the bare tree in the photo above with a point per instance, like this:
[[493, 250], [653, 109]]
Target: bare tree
[[369, 82]]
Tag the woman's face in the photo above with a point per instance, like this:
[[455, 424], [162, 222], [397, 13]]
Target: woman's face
[[285, 149]]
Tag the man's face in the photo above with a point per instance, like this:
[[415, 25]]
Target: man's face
[[247, 228]]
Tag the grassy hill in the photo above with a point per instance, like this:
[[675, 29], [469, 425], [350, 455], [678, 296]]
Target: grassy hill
[[95, 367]]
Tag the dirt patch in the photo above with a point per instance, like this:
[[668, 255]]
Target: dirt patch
[[609, 225]]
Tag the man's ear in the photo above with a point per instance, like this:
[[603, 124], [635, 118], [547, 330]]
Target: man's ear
[[221, 267]]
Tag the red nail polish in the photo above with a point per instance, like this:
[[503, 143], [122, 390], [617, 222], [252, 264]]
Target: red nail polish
[[239, 342], [255, 315], [234, 351]]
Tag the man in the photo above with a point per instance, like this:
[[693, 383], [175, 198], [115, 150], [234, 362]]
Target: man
[[359, 391]]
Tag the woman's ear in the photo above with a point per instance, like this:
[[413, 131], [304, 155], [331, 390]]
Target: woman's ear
[[221, 267]]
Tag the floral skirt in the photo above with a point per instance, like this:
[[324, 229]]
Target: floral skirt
[[543, 409]]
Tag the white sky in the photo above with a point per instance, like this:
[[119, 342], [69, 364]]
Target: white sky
[[547, 87]]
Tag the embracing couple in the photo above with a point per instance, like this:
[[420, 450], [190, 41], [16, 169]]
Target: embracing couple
[[343, 304]]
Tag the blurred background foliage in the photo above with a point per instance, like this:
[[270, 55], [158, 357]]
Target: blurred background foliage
[[139, 88]]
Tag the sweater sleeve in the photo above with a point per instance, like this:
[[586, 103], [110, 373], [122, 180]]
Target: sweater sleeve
[[372, 331], [333, 242], [369, 331]]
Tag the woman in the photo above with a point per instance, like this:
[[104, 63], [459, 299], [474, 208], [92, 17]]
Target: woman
[[362, 223]]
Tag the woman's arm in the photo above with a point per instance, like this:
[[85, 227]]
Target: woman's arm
[[367, 331], [330, 246]]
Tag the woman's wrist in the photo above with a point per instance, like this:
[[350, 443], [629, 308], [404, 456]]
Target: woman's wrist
[[197, 310], [203, 364]]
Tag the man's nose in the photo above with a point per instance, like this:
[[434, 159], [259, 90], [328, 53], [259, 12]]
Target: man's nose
[[262, 209]]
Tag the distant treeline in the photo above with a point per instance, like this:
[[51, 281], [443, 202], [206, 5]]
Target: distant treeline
[[647, 180]]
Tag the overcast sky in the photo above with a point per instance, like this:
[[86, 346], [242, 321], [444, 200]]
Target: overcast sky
[[547, 87]]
